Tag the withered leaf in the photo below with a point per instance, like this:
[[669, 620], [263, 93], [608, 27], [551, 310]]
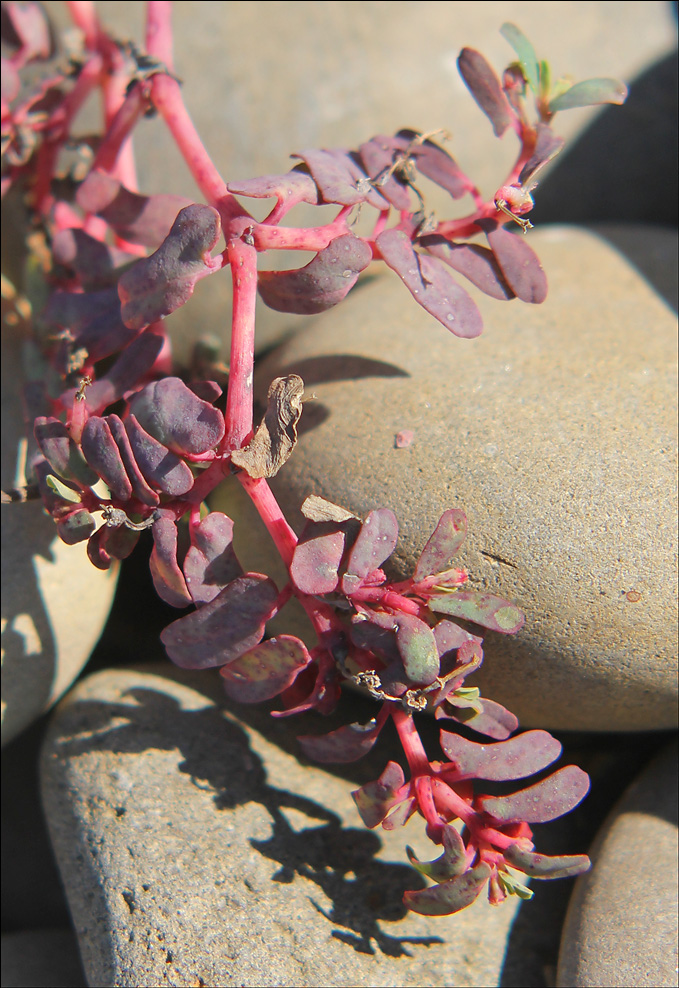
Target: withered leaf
[[275, 438], [316, 508]]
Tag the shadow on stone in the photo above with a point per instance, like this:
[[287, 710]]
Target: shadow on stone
[[623, 170], [218, 758]]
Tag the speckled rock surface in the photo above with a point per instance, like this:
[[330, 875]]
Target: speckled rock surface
[[54, 602], [556, 431], [41, 959], [621, 927], [196, 850]]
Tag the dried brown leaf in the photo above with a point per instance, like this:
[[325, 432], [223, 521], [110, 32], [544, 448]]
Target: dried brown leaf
[[275, 438]]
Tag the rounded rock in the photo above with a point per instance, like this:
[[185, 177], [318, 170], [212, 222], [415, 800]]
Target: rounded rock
[[196, 849], [621, 927], [555, 431]]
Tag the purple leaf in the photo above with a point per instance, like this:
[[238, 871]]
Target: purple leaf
[[394, 681], [495, 721], [61, 452], [400, 815], [210, 562], [378, 156], [177, 418], [159, 466], [220, 631], [485, 87], [145, 220], [450, 636], [351, 160], [449, 897], [168, 578], [317, 557], [435, 164], [103, 455], [380, 641], [266, 670], [120, 541], [157, 285], [547, 146], [292, 188], [476, 263], [451, 863], [321, 283], [208, 391], [96, 548], [375, 799], [524, 49], [76, 527], [514, 759], [93, 318], [544, 866], [444, 542], [590, 93], [131, 366], [335, 176], [376, 541], [546, 800], [485, 609], [346, 744], [140, 488], [430, 284], [417, 647], [518, 262], [94, 262]]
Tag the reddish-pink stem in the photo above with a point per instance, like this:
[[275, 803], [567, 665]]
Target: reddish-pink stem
[[411, 742], [243, 260], [269, 510], [120, 129], [84, 16], [159, 32], [168, 101]]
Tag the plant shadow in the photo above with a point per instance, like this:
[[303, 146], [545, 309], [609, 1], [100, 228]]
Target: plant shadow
[[217, 756]]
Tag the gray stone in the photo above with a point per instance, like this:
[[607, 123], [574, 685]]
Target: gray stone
[[54, 602], [556, 432], [196, 849], [41, 959], [621, 927]]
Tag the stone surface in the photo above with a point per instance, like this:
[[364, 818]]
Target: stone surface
[[264, 80], [556, 432], [196, 849], [621, 927], [41, 959], [54, 602]]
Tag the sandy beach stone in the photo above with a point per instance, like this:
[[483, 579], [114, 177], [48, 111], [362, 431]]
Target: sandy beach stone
[[195, 849], [621, 927], [556, 432]]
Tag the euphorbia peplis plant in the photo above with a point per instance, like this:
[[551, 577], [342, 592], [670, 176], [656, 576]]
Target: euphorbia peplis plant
[[119, 435]]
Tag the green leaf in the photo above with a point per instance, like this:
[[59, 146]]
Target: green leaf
[[450, 864], [545, 78], [524, 49], [513, 886], [61, 489], [592, 92]]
